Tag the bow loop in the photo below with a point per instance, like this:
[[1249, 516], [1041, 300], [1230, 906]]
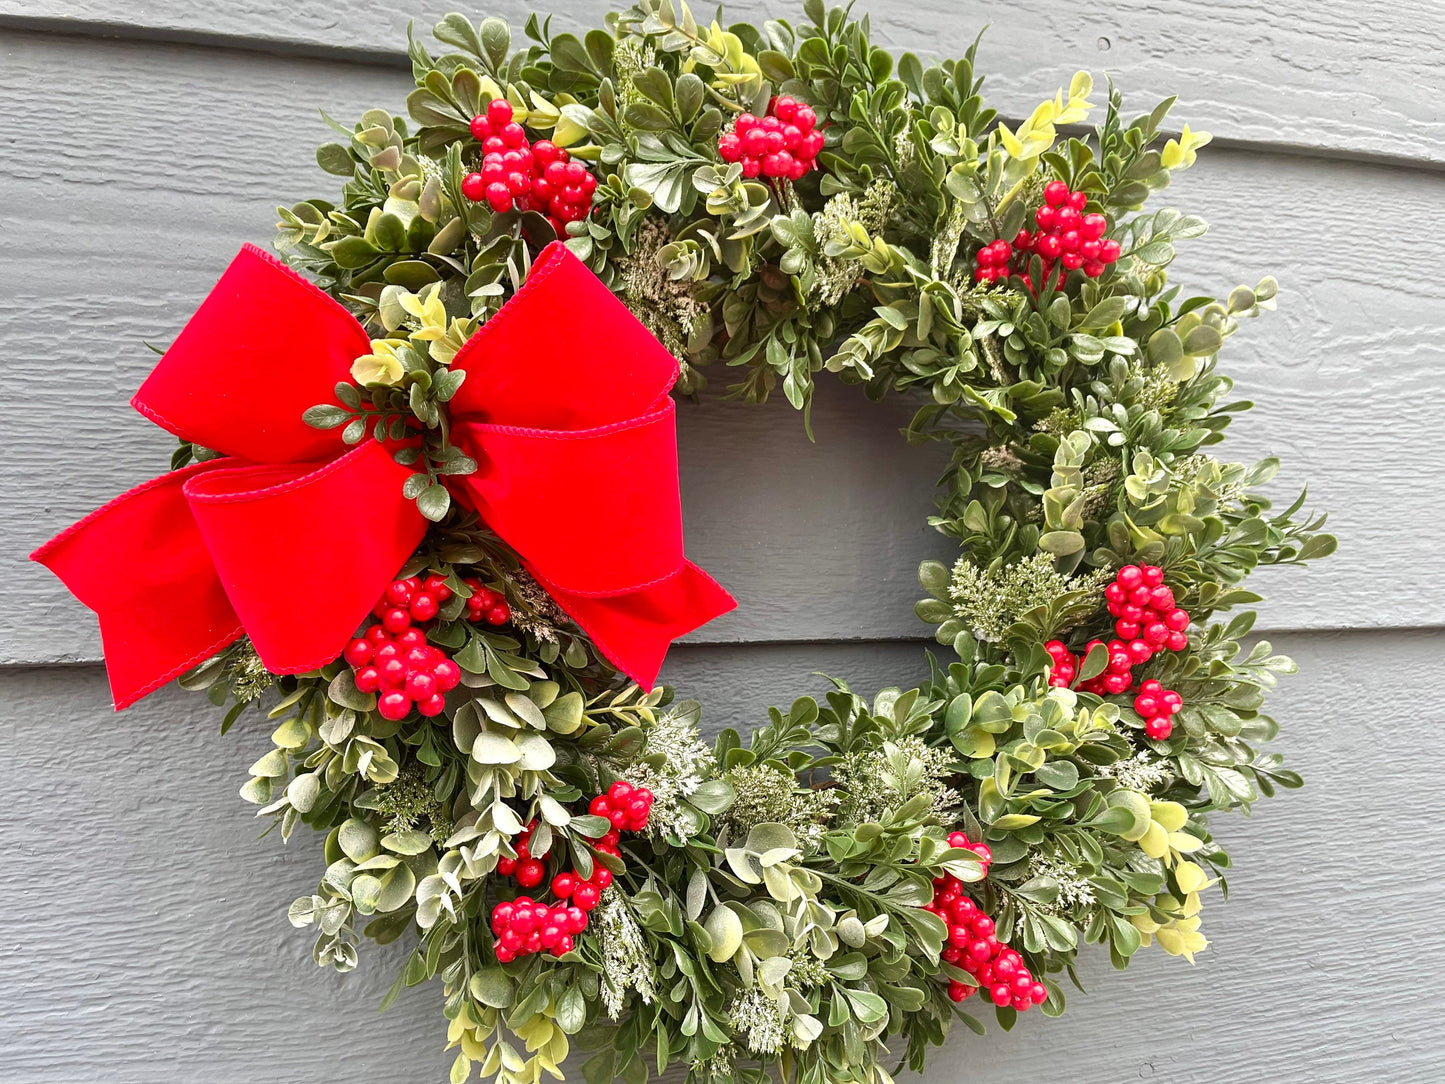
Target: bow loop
[[263, 347], [562, 354]]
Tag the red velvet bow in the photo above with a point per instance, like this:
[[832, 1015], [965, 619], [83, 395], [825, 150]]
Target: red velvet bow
[[292, 538]]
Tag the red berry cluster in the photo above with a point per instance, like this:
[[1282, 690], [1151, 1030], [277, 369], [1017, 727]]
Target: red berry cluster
[[626, 806], [529, 870], [1066, 238], [525, 926], [1147, 622], [1156, 704], [784, 143], [529, 176], [393, 658], [973, 946], [486, 605]]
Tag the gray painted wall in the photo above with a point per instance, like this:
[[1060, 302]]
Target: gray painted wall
[[146, 938]]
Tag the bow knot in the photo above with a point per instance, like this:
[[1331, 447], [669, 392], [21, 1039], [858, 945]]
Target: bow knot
[[565, 408]]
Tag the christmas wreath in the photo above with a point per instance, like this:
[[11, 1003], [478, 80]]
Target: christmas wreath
[[446, 408]]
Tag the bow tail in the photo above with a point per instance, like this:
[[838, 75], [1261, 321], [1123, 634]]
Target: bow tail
[[305, 551], [634, 629], [141, 563]]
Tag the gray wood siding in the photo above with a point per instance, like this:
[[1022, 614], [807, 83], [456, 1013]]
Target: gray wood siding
[[146, 141]]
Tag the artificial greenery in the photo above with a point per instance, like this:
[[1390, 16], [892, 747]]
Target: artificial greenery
[[770, 919]]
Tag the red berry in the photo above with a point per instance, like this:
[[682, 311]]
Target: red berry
[[499, 196], [396, 621], [1155, 633], [394, 705], [448, 675], [358, 653], [1056, 193], [1129, 577], [1000, 994], [1146, 705], [586, 895], [620, 791], [474, 187], [729, 147], [530, 873], [499, 112], [599, 806], [420, 685], [1109, 251], [424, 606], [563, 884], [499, 614], [1159, 728], [481, 127], [1177, 641], [524, 919], [368, 679], [433, 705]]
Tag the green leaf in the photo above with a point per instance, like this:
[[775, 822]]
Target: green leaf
[[1058, 774], [434, 502], [326, 416], [1094, 662], [713, 796], [352, 253], [493, 987], [1061, 543], [337, 160]]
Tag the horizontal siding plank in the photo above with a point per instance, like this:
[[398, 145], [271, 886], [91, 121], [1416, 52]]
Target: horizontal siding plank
[[818, 541], [1313, 74], [149, 924]]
